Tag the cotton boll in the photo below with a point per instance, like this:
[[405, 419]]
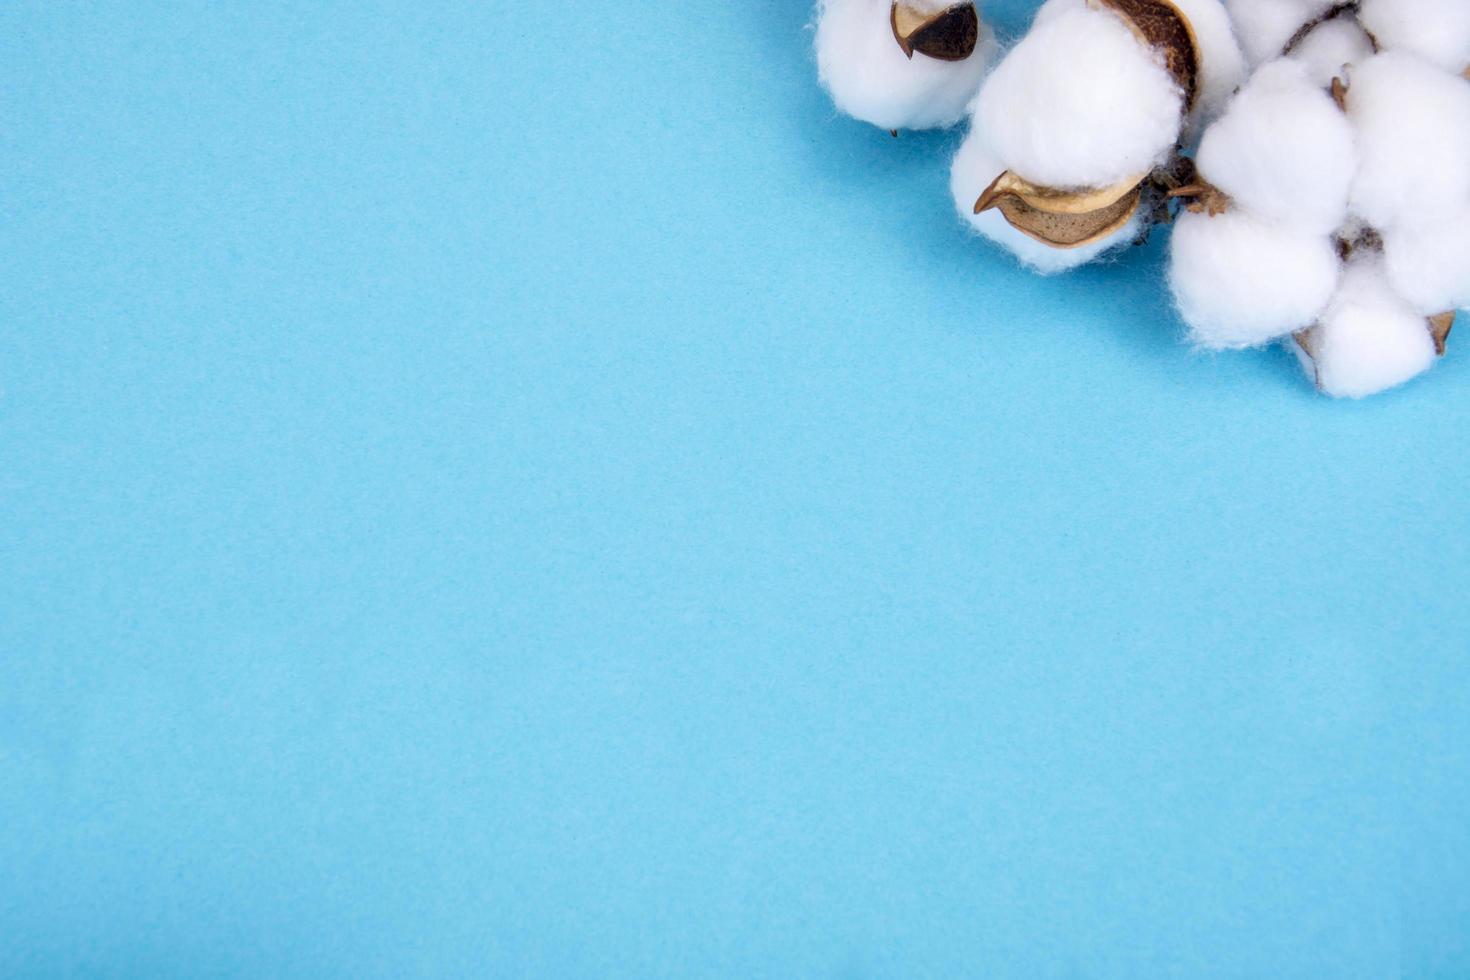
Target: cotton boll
[[975, 167], [871, 79], [1370, 339], [1080, 102], [1264, 27], [1438, 30], [1283, 150], [1413, 123], [1240, 282], [1429, 264], [1222, 64], [1326, 51]]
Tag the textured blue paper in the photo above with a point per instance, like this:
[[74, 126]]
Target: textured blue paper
[[528, 491]]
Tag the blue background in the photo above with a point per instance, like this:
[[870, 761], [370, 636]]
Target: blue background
[[532, 492]]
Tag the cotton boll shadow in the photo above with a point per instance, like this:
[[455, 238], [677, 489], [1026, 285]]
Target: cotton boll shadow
[[1279, 363], [1126, 292], [1254, 376], [1120, 300]]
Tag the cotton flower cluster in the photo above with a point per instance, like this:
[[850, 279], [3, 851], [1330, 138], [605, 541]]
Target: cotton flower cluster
[[1313, 154], [1333, 202]]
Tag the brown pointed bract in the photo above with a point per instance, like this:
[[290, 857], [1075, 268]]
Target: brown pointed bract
[[1202, 197], [1061, 219], [1163, 27], [1049, 198], [1439, 328], [950, 35], [1340, 93], [1307, 341]]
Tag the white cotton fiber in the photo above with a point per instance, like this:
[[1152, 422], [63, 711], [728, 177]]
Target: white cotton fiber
[[975, 167], [1222, 64], [1265, 26], [1438, 30], [1327, 51], [1241, 282], [1429, 263], [1413, 124], [1370, 339], [1080, 102], [871, 79], [1283, 150]]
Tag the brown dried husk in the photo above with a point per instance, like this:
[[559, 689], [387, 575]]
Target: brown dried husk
[[1439, 328], [1062, 219], [950, 35], [1307, 341]]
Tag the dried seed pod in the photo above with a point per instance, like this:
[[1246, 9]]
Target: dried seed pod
[[1052, 200], [1307, 341], [1306, 347], [1440, 326], [949, 35], [1062, 219]]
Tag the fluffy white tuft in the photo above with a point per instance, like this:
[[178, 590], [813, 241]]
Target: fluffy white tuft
[[1438, 30], [1328, 50], [1413, 123], [871, 79], [1283, 150], [1370, 339], [1240, 282], [1429, 263], [1222, 64], [975, 167], [1265, 26], [1080, 102]]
